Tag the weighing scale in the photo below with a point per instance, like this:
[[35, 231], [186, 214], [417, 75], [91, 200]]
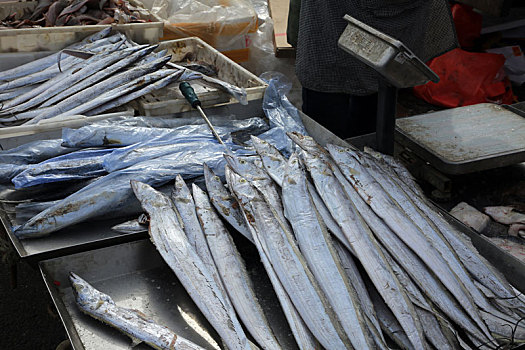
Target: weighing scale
[[397, 65], [450, 142]]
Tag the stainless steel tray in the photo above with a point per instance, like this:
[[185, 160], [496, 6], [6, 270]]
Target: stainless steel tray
[[136, 277], [465, 139]]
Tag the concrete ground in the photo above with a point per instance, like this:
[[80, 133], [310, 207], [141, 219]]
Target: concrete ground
[[28, 319]]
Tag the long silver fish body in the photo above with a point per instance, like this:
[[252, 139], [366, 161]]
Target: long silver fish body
[[133, 323], [67, 63], [404, 228], [224, 202], [358, 284], [183, 201], [477, 266], [233, 272], [70, 77], [410, 262], [47, 61], [176, 250], [17, 92], [86, 98], [108, 194], [261, 180], [122, 90], [389, 323], [295, 275], [114, 63], [365, 247], [432, 233], [119, 101], [316, 246], [275, 163], [431, 326], [243, 192]]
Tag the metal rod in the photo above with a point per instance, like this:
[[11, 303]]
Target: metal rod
[[386, 117], [214, 132]]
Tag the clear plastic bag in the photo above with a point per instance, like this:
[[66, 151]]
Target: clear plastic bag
[[34, 152], [226, 25], [282, 114], [8, 171], [162, 146], [131, 130], [112, 193], [78, 165]]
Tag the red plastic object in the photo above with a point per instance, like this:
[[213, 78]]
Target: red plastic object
[[467, 78], [468, 24]]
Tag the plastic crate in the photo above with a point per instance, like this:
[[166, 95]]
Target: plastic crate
[[169, 100], [56, 38]]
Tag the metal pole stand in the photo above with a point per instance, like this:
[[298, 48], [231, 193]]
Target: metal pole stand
[[386, 117], [398, 66]]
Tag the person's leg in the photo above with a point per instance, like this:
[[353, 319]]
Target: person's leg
[[362, 112], [328, 109]]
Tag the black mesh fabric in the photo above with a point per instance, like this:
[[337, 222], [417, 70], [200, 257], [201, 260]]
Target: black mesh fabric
[[425, 26]]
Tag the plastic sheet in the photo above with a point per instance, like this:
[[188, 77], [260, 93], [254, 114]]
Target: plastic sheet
[[169, 144], [224, 25], [112, 193], [131, 130], [78, 165], [175, 122], [34, 152], [108, 135], [8, 171], [283, 115]]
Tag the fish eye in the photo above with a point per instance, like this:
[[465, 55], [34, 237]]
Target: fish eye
[[242, 180], [242, 161], [216, 178]]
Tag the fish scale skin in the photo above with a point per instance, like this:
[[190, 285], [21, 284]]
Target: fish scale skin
[[183, 201], [480, 269], [366, 247], [244, 192], [233, 272], [172, 244], [383, 206], [274, 163], [296, 277], [224, 202], [432, 233], [315, 244], [131, 322]]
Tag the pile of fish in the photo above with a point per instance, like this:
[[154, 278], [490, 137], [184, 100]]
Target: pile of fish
[[132, 322], [356, 255], [86, 174], [112, 72], [49, 13]]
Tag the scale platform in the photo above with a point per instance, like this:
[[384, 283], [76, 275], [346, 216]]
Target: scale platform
[[466, 139]]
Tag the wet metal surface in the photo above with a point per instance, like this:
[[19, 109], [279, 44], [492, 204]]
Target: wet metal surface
[[465, 139], [136, 277]]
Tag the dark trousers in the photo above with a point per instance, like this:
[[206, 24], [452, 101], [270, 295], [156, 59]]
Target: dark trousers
[[344, 115]]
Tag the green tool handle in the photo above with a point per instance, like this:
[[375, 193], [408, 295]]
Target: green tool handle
[[189, 94]]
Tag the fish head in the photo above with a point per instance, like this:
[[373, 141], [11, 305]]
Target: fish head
[[245, 168], [180, 189], [85, 294], [307, 143], [343, 155], [149, 198], [293, 173], [200, 197]]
